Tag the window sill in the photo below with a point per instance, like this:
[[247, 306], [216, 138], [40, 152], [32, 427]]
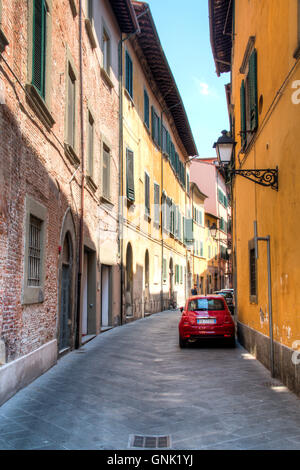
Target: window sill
[[106, 200], [71, 154], [106, 78], [91, 32], [127, 94], [3, 41], [296, 54], [39, 106], [92, 185], [73, 7]]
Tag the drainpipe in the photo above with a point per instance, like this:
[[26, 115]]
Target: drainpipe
[[268, 240], [80, 248], [162, 214]]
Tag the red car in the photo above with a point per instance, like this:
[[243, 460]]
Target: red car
[[206, 317]]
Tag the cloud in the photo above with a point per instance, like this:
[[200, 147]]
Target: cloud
[[204, 88]]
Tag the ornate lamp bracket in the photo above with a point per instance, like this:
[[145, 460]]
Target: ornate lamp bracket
[[268, 177]]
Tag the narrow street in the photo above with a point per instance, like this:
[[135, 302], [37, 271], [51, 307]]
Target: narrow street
[[134, 380]]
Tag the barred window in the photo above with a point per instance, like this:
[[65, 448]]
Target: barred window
[[34, 252], [252, 273]]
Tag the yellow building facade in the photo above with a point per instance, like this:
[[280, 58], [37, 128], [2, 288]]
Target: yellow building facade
[[262, 50], [155, 212]]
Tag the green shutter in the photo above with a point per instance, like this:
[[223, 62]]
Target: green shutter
[[130, 175], [243, 115], [129, 74], [146, 108], [188, 231], [147, 194], [159, 132], [156, 203], [253, 91], [39, 46], [152, 122]]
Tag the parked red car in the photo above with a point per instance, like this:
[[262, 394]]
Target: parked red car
[[206, 317]]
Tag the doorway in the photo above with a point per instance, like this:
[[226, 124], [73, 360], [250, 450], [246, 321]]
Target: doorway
[[129, 282], [106, 285], [88, 323], [65, 321]]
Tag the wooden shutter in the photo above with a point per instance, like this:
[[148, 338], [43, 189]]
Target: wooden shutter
[[106, 173], [153, 122], [146, 108], [147, 194], [243, 115], [39, 46], [189, 236], [71, 109], [253, 91], [130, 175], [156, 203], [129, 74], [91, 144], [158, 131]]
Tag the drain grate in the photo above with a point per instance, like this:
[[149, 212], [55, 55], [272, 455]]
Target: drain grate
[[149, 442]]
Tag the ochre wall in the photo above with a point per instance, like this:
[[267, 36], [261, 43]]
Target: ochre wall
[[274, 24]]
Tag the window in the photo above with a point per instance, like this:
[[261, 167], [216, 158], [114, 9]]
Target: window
[[106, 50], [33, 283], [34, 252], [71, 108], [165, 141], [206, 304], [90, 144], [249, 102], [252, 272], [155, 127], [89, 23], [3, 40], [147, 194], [90, 9], [164, 270], [146, 110], [128, 74], [156, 204], [106, 173], [39, 46], [130, 175], [181, 275]]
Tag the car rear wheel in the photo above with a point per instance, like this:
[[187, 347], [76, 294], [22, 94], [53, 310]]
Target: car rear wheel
[[182, 343]]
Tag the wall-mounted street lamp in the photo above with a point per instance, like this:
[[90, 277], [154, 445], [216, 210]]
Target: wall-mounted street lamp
[[225, 147]]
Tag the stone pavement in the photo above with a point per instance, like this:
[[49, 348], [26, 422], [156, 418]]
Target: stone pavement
[[135, 380]]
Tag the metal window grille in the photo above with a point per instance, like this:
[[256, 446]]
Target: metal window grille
[[252, 273], [34, 252]]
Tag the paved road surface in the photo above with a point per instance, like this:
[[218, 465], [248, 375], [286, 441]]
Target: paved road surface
[[134, 380]]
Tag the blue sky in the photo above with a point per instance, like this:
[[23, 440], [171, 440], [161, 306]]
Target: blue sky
[[183, 28]]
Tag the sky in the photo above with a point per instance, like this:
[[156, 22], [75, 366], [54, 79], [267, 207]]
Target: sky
[[183, 29]]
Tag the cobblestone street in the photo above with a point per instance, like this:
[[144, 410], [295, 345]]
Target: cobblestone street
[[134, 380]]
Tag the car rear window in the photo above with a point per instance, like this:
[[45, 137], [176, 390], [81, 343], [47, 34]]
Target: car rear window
[[206, 304]]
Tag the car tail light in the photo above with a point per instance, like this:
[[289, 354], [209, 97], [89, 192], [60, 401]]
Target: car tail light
[[227, 319]]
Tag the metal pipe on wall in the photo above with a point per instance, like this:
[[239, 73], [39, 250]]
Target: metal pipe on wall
[[80, 242]]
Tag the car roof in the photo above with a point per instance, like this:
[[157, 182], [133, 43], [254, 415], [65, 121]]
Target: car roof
[[209, 296]]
